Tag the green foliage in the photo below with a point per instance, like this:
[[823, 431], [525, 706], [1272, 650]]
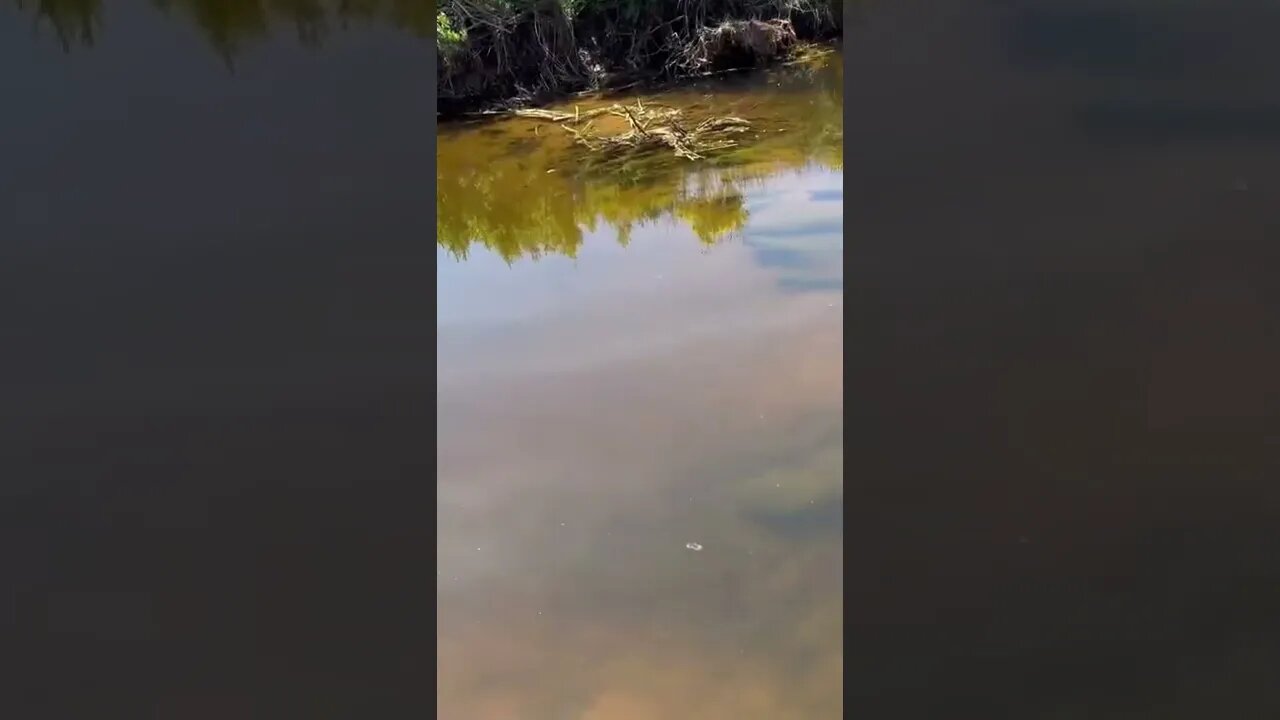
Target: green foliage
[[447, 39]]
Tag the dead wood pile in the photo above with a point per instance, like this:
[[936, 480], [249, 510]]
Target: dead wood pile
[[649, 127]]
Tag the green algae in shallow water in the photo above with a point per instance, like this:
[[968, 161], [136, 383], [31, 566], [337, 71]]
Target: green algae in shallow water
[[520, 188]]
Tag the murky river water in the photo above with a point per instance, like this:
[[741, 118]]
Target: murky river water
[[640, 421]]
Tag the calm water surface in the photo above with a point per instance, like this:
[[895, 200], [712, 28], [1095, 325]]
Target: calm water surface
[[631, 359]]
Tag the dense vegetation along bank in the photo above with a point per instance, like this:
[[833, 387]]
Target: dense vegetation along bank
[[491, 51]]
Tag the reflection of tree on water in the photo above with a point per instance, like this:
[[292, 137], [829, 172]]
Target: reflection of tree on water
[[518, 209], [524, 191]]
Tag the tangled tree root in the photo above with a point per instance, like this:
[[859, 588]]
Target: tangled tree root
[[514, 51], [651, 126], [735, 44]]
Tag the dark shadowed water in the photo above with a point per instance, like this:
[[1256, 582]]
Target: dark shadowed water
[[639, 380], [1064, 297]]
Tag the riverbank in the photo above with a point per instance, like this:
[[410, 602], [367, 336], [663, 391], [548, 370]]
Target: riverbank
[[500, 53]]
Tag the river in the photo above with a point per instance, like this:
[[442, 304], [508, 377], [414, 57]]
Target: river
[[640, 429]]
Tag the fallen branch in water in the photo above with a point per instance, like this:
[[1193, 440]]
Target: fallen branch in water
[[808, 53], [651, 126], [554, 116]]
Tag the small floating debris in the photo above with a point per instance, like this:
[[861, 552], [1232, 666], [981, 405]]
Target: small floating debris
[[693, 546]]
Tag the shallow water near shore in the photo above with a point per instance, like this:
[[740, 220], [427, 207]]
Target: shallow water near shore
[[640, 416]]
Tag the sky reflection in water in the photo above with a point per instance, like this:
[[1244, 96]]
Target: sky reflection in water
[[604, 403]]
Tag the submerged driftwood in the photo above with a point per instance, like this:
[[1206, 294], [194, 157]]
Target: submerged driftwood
[[650, 126]]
